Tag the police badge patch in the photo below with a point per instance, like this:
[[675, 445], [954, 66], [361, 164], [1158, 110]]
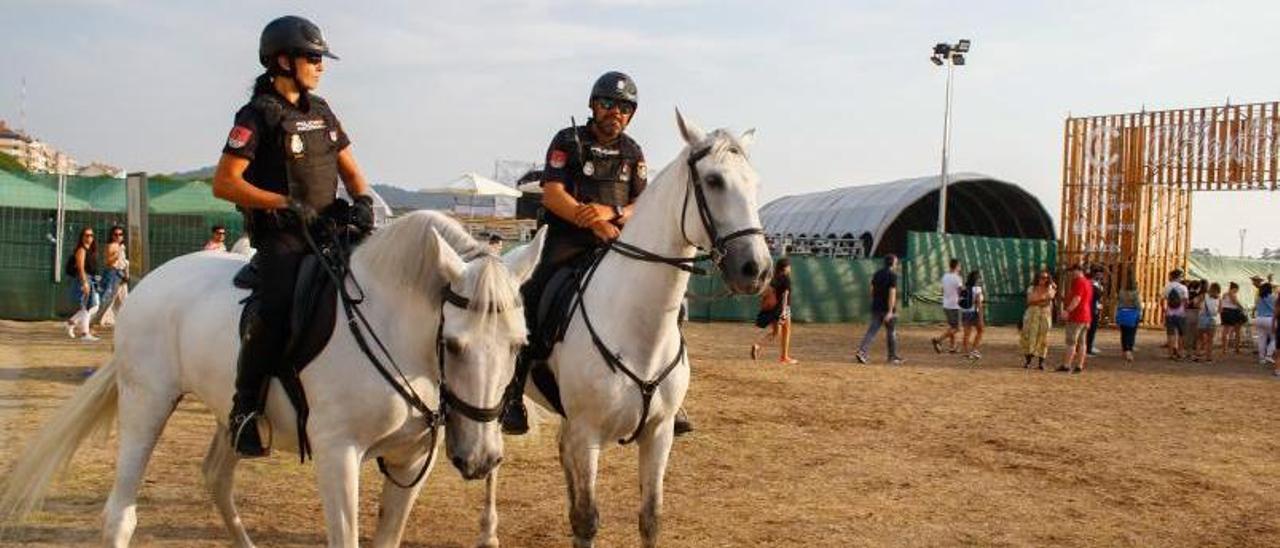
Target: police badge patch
[[239, 136], [642, 171], [295, 143], [333, 135]]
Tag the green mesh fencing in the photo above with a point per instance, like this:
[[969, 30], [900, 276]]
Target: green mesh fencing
[[826, 289], [1007, 266], [1225, 270], [180, 216]]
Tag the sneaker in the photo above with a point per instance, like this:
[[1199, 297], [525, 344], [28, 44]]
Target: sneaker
[[937, 345], [862, 358], [896, 361], [1094, 352], [975, 355], [1062, 369], [71, 330], [89, 337]]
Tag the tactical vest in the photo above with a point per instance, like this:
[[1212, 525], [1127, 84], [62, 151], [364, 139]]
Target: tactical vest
[[310, 149], [607, 176]]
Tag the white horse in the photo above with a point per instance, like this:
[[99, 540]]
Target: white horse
[[175, 338], [706, 199]]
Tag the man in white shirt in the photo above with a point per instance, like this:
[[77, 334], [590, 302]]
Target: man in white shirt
[[1175, 297], [951, 284]]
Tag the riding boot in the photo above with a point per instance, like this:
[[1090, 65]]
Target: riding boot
[[682, 424], [251, 387], [515, 418]]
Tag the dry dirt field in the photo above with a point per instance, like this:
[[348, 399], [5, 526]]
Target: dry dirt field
[[824, 453]]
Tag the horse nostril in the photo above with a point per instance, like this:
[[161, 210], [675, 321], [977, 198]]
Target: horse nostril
[[750, 269], [457, 462]]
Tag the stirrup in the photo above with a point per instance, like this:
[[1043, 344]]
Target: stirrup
[[254, 448]]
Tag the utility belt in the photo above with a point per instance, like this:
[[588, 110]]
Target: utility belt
[[330, 221]]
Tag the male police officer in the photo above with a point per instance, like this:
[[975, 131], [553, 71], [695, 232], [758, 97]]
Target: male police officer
[[592, 177], [285, 152]]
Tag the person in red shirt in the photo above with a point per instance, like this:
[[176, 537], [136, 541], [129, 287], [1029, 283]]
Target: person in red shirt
[[1077, 315]]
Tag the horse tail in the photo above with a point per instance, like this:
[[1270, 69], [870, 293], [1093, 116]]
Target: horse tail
[[91, 409]]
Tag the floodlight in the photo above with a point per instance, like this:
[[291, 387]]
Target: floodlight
[[941, 49], [962, 46], [957, 58], [936, 60]]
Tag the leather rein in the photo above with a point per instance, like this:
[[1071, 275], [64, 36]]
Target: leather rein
[[688, 264]]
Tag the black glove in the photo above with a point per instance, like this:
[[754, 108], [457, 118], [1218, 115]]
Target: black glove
[[304, 213], [362, 213]]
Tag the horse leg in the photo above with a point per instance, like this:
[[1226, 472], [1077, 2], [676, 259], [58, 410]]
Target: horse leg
[[655, 449], [397, 502], [489, 518], [142, 418], [580, 458], [338, 475], [219, 478]]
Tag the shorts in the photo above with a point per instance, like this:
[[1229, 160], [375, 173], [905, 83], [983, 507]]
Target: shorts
[[953, 317], [1233, 317], [1173, 325], [1075, 334], [1208, 323], [971, 319], [767, 317]]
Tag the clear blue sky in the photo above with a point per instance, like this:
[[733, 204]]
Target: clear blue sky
[[841, 92]]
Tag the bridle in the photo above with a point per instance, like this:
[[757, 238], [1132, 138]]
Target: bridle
[[688, 264], [336, 265]]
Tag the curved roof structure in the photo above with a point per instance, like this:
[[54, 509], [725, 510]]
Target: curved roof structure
[[883, 213]]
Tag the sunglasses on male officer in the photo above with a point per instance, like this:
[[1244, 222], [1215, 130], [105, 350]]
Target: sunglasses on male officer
[[610, 104], [312, 58]]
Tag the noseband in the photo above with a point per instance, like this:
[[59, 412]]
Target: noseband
[[448, 400], [718, 243]]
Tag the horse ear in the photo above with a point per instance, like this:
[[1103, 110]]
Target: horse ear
[[451, 265], [522, 260], [748, 138], [690, 131]]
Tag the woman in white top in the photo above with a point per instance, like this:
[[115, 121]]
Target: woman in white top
[[971, 315], [1210, 319]]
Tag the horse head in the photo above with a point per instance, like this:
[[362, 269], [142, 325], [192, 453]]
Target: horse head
[[723, 216], [482, 331]]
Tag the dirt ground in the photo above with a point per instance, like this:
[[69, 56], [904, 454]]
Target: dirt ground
[[824, 453]]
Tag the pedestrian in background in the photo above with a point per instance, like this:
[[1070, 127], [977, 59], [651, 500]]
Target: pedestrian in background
[[775, 313], [1076, 314], [115, 277], [1263, 328], [1128, 316], [884, 307], [82, 269], [1175, 313], [1037, 320], [217, 239], [1096, 275], [951, 285], [1233, 318], [1191, 327], [1210, 319], [495, 244], [972, 298]]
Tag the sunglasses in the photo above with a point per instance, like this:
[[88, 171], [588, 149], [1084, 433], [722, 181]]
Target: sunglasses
[[610, 104], [313, 58], [220, 233]]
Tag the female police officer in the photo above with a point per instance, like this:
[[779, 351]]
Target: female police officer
[[281, 163]]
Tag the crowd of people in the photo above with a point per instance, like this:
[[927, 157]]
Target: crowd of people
[[1202, 319], [99, 292]]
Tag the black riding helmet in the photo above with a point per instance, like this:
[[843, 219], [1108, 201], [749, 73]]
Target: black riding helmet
[[291, 35], [615, 85]]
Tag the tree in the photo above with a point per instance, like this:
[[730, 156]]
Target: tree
[[10, 164]]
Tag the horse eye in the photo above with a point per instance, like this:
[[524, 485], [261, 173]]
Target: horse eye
[[715, 181], [453, 346], [735, 150]]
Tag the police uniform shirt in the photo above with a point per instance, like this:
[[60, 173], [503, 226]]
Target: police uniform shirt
[[609, 174], [253, 139]]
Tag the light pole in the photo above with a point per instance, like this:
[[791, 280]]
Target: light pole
[[950, 55]]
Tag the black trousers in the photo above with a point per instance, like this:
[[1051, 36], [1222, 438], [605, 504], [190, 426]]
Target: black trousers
[[555, 255], [1093, 331], [280, 254]]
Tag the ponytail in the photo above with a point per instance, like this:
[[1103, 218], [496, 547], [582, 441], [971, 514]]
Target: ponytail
[[262, 84]]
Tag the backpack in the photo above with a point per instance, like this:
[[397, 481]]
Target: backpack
[[1174, 299], [71, 269], [966, 297]]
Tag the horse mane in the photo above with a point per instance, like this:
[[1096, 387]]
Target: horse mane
[[403, 253]]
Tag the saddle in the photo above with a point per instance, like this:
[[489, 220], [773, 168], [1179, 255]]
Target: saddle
[[553, 314], [312, 317]]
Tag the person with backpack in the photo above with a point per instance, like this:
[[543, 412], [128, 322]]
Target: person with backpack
[[1175, 311], [972, 300]]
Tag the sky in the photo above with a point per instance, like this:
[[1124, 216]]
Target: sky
[[840, 92]]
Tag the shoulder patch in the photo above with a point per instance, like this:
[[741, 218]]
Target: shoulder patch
[[558, 159], [642, 171], [239, 136]]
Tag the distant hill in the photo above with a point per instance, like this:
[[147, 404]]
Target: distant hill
[[201, 174]]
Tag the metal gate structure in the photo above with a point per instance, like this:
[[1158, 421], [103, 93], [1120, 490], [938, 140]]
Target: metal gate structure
[[1127, 181]]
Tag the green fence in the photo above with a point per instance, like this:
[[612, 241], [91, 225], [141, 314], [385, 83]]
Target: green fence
[[1225, 270], [828, 289], [180, 215]]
